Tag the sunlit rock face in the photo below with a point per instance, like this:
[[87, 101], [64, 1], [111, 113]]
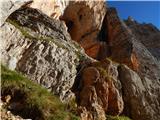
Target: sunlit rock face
[[40, 43], [53, 8], [126, 48], [9, 6], [84, 20], [41, 50], [98, 90], [148, 34]]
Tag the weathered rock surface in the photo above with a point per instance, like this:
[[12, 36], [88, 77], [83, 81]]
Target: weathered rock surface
[[148, 34], [84, 20], [126, 49], [52, 8], [141, 97], [98, 90], [41, 48], [9, 6]]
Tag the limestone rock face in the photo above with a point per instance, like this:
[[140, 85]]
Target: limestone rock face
[[9, 6], [125, 48], [148, 34], [84, 20], [99, 90], [37, 44], [52, 8], [41, 48], [141, 103]]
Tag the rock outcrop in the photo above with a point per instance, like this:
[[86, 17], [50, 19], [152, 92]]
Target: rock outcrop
[[148, 34], [47, 51], [98, 90], [84, 20], [52, 8], [126, 49], [9, 6], [130, 50], [141, 96], [41, 48]]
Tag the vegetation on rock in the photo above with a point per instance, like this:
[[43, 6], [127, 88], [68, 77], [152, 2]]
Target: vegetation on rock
[[26, 33], [29, 100], [127, 82], [117, 118]]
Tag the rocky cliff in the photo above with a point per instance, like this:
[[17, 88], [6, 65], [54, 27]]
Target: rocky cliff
[[83, 50], [35, 47], [126, 48], [148, 34]]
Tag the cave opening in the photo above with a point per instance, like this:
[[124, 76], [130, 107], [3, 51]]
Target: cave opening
[[103, 38], [69, 25], [94, 40], [103, 35]]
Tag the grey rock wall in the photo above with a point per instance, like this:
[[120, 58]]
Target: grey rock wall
[[42, 50], [9, 6]]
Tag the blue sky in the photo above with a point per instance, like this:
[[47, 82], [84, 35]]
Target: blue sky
[[142, 11]]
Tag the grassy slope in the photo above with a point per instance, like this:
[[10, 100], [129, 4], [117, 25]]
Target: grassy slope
[[117, 118], [34, 97]]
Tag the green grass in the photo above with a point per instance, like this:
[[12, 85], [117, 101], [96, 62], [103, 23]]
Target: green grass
[[35, 98], [117, 118], [23, 31]]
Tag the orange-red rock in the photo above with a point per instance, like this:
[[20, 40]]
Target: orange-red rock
[[98, 91], [84, 20]]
